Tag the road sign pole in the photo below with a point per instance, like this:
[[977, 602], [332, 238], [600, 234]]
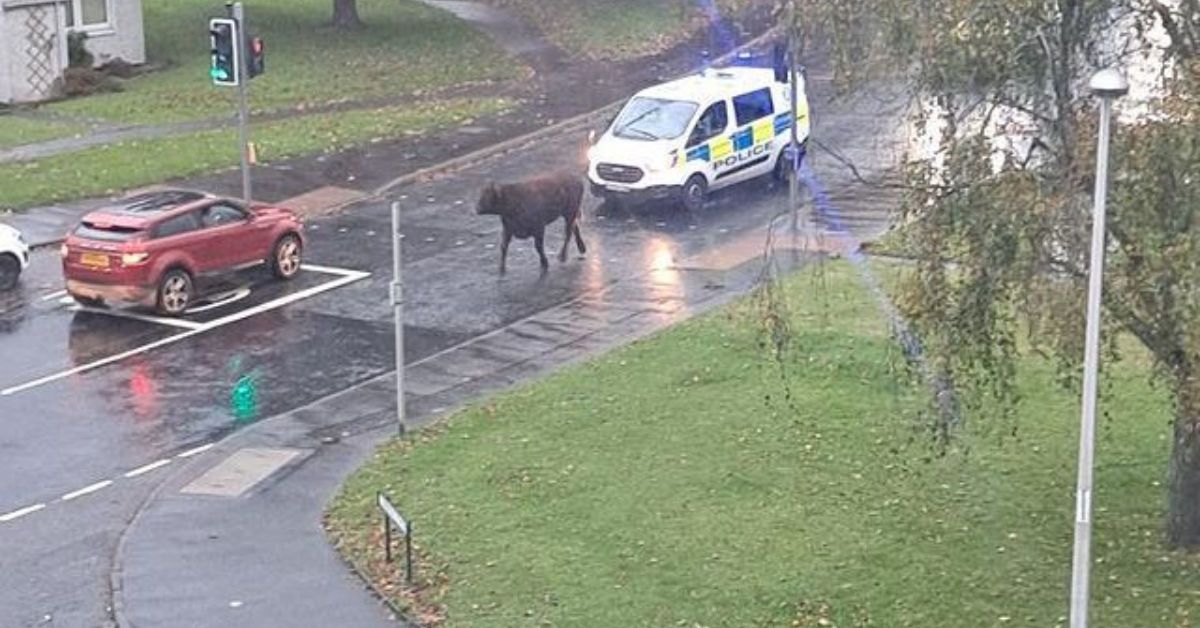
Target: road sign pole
[[398, 306], [238, 13]]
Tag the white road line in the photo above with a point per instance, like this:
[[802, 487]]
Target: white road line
[[197, 450], [330, 270], [17, 514], [148, 468], [54, 295], [157, 320], [87, 489], [346, 277]]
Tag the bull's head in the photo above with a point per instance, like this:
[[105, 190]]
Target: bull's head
[[489, 201]]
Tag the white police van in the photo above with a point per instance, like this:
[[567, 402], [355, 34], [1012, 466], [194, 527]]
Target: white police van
[[14, 256], [682, 139]]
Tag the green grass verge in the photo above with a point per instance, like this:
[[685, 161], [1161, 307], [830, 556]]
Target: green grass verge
[[405, 47], [657, 486], [15, 130], [609, 29], [116, 167], [620, 29]]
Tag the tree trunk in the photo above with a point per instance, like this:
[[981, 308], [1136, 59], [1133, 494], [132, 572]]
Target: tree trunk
[[1183, 499], [345, 14]]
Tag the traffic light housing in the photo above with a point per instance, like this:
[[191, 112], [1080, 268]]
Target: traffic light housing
[[226, 62], [255, 56]]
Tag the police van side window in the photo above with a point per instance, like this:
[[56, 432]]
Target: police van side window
[[710, 125], [753, 106]]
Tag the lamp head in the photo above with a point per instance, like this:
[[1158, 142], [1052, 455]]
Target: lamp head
[[1109, 83]]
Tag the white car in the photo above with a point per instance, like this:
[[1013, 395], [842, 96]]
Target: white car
[[14, 256], [703, 132]]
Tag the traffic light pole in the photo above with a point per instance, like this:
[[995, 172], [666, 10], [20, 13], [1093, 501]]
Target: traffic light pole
[[238, 13]]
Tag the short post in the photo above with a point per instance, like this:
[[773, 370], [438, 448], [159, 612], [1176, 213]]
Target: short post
[[398, 306], [408, 570], [387, 538]]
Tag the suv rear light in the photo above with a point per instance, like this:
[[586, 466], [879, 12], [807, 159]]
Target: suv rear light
[[134, 259]]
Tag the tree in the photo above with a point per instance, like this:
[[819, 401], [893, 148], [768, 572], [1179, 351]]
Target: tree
[[345, 14], [1001, 234]]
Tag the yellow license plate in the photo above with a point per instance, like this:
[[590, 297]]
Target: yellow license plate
[[97, 260]]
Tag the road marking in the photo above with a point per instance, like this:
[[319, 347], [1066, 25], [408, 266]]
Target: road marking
[[148, 468], [198, 450], [345, 277], [145, 318], [86, 490], [17, 514], [54, 295]]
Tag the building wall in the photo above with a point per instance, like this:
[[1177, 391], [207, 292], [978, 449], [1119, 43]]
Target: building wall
[[15, 83], [125, 39], [6, 77]]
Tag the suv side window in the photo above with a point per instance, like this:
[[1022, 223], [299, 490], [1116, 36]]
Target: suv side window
[[711, 124], [182, 223], [221, 214], [753, 106]]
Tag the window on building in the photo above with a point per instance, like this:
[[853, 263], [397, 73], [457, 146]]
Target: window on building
[[85, 15]]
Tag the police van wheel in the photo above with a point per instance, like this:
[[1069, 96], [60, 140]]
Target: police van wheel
[[783, 168], [694, 194]]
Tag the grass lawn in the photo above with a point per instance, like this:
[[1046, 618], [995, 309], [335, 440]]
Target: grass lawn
[[116, 167], [406, 47], [15, 130], [657, 486], [616, 29]]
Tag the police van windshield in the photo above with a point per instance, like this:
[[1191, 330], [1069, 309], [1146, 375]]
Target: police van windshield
[[654, 119]]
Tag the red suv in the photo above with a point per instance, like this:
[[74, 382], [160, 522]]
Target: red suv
[[150, 249]]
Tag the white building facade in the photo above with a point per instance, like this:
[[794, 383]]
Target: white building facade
[[33, 41]]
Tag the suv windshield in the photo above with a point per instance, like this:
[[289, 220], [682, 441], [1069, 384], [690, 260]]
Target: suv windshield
[[654, 119]]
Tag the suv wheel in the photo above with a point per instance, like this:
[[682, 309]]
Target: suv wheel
[[695, 192], [286, 257], [174, 292], [10, 270]]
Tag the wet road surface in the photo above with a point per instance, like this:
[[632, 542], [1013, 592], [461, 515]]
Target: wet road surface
[[91, 401]]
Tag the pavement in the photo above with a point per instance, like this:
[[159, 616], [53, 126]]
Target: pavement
[[132, 493]]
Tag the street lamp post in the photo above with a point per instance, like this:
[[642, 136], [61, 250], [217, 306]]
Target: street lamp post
[[1108, 85]]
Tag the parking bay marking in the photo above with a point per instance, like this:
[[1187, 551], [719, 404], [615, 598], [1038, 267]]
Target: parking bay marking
[[345, 277]]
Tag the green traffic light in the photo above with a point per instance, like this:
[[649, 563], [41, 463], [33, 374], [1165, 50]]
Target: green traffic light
[[218, 74]]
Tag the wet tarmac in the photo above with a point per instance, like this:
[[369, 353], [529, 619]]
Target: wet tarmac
[[90, 395]]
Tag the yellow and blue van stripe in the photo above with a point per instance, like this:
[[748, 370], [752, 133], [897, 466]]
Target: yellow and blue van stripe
[[757, 133]]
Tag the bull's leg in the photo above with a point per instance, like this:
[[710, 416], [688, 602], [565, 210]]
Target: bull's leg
[[539, 241], [505, 239], [562, 255], [579, 239]]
